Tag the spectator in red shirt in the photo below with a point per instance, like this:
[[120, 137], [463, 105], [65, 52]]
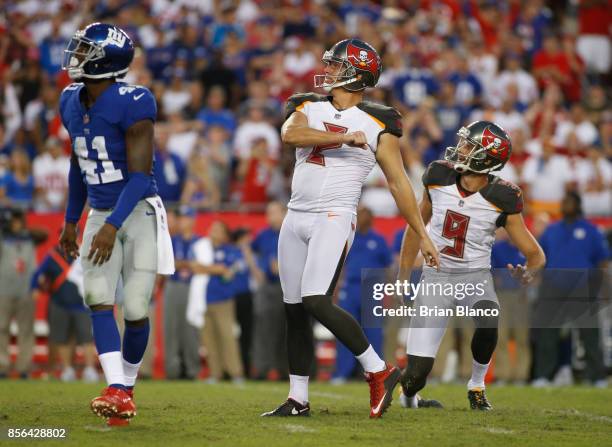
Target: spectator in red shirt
[[595, 23], [256, 173], [551, 65], [554, 64]]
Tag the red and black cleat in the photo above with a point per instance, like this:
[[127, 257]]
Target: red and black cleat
[[117, 421], [114, 403], [382, 385]]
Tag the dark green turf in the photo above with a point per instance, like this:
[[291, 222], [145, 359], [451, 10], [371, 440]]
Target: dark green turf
[[185, 414]]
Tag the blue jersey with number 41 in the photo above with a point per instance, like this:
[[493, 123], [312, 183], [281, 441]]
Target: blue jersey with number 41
[[98, 136]]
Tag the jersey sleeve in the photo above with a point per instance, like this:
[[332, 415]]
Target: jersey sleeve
[[299, 101], [63, 101], [138, 105], [387, 117], [504, 195]]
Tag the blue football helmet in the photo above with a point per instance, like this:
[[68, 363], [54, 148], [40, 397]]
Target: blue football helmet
[[97, 52]]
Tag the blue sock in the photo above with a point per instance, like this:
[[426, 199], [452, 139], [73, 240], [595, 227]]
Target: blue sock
[[108, 344], [105, 332], [135, 342]]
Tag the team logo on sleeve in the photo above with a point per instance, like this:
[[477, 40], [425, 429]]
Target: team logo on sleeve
[[496, 145]]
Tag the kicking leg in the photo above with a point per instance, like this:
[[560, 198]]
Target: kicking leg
[[330, 240], [421, 346]]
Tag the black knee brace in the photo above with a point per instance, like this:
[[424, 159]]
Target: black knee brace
[[414, 377]]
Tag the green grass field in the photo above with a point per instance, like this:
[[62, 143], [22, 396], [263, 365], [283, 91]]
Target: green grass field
[[185, 414]]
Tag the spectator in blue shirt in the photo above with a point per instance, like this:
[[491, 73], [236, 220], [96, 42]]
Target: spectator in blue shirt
[[513, 324], [269, 352], [181, 340], [226, 24], [243, 296], [220, 318], [159, 56], [369, 251], [52, 49], [450, 114], [576, 254], [412, 87], [468, 89], [170, 170], [17, 186], [61, 277], [214, 113]]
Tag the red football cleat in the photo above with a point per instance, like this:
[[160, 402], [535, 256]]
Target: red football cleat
[[116, 421], [382, 385], [114, 402]]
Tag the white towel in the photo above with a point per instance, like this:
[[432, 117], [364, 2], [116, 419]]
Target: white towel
[[196, 305], [165, 254], [75, 275]]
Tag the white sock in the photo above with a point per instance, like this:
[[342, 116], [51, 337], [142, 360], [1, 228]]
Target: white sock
[[130, 371], [413, 401], [370, 361], [479, 371], [112, 367], [298, 388]]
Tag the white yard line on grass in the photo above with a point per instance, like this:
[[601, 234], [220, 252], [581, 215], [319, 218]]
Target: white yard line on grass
[[588, 416], [498, 430], [96, 428], [327, 395], [295, 428]]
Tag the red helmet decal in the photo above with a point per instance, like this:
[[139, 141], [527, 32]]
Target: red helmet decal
[[362, 58], [497, 145]]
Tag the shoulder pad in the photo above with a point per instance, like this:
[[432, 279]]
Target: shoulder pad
[[439, 173], [138, 104], [389, 118], [504, 195], [295, 101]]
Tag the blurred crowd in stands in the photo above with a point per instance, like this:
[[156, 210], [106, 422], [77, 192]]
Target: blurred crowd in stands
[[221, 72]]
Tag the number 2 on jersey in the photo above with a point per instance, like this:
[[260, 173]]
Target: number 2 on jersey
[[316, 156], [455, 227], [96, 172]]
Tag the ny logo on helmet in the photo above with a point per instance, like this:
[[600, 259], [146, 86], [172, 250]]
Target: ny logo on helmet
[[115, 37]]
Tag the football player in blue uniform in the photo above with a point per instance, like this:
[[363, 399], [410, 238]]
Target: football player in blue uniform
[[111, 127]]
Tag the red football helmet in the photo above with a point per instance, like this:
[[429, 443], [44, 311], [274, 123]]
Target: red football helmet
[[361, 66]]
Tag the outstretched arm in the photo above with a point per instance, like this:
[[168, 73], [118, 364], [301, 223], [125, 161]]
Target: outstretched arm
[[527, 244], [411, 242], [390, 161], [296, 132]]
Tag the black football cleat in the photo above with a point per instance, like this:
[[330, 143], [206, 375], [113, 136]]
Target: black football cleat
[[290, 408], [429, 403], [478, 400], [421, 403]]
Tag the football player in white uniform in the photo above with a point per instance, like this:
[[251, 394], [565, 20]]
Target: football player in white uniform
[[464, 205], [338, 139]]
